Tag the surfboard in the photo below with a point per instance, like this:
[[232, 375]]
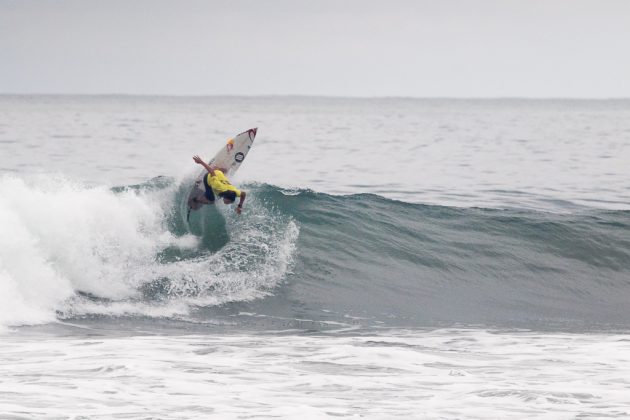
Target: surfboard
[[229, 157]]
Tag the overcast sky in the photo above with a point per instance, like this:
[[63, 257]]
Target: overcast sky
[[440, 48]]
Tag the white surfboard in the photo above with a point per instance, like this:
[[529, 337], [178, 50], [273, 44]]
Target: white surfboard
[[229, 158]]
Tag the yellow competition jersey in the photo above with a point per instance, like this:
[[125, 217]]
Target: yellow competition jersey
[[220, 183]]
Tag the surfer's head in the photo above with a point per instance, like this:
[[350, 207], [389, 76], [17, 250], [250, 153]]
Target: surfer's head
[[228, 197]]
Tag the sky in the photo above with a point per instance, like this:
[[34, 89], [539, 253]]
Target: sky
[[363, 48]]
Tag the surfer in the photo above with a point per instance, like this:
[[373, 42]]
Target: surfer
[[215, 182]]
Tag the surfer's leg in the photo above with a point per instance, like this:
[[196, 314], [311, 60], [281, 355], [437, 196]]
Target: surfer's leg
[[208, 195]]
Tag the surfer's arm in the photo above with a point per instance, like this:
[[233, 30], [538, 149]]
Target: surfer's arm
[[239, 207], [200, 161]]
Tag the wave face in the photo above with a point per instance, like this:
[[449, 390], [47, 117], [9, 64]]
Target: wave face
[[68, 252], [419, 264]]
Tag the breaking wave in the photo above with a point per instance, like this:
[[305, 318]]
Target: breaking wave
[[68, 251]]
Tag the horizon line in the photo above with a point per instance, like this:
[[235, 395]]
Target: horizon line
[[324, 96]]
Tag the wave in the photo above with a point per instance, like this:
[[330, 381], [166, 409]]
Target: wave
[[69, 252]]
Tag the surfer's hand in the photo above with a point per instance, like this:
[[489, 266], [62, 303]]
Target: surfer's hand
[[239, 209], [198, 160]]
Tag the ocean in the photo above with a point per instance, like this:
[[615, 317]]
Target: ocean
[[396, 258]]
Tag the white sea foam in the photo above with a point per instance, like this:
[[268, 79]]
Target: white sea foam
[[58, 238], [445, 374]]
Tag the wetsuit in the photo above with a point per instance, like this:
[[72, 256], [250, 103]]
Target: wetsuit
[[218, 184]]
